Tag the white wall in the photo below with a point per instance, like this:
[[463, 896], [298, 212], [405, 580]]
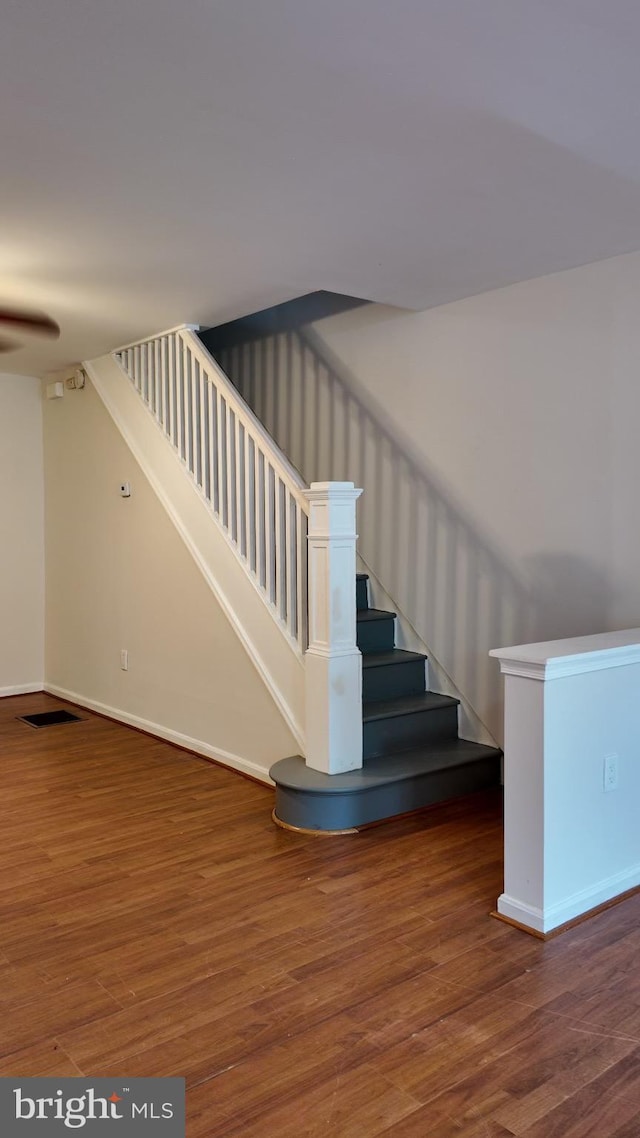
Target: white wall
[[119, 576], [21, 535], [497, 443]]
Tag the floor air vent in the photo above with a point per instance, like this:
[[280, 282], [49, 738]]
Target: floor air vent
[[49, 718]]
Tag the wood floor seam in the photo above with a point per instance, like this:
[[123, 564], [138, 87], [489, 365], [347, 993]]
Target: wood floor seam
[[300, 988]]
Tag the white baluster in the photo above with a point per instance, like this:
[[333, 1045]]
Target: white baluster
[[157, 402], [261, 555], [166, 387], [278, 540], [197, 423], [269, 515], [171, 379], [230, 468], [179, 364], [220, 411], [290, 561], [248, 497], [186, 406], [189, 412], [301, 577], [211, 457], [202, 418], [144, 360], [237, 483], [137, 355]]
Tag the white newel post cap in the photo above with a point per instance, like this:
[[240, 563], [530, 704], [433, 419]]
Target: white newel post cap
[[332, 509]]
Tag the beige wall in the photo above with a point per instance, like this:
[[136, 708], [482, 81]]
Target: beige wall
[[119, 576], [497, 440], [520, 410], [21, 535]]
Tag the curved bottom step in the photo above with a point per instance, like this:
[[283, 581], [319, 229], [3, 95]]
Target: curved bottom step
[[311, 833], [386, 786]]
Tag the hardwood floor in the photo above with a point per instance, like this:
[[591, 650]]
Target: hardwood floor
[[154, 921]]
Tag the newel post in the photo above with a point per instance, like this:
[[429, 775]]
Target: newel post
[[333, 661]]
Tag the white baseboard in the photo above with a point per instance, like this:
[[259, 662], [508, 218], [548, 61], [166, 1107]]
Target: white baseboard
[[225, 758], [22, 689], [545, 920], [523, 914]]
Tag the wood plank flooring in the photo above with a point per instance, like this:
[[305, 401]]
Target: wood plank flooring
[[154, 921]]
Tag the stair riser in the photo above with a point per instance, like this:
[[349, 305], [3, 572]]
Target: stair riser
[[390, 680], [337, 812], [403, 732], [376, 635], [362, 595]]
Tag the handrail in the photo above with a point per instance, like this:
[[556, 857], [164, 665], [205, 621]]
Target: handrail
[[254, 492], [146, 339]]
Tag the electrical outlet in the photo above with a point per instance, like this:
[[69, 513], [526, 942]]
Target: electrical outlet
[[610, 772], [124, 659]]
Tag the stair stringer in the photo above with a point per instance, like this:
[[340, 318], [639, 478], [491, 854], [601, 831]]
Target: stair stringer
[[470, 725], [275, 658]]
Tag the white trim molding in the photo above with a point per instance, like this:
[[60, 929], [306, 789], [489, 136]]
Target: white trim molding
[[584, 901], [555, 659], [207, 750], [529, 915], [22, 689]]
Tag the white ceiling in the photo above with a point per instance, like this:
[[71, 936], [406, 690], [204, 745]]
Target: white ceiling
[[194, 160]]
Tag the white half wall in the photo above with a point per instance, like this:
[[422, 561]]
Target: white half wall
[[571, 775], [21, 536], [119, 576]]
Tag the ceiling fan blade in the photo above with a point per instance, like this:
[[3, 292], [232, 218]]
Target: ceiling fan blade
[[23, 320]]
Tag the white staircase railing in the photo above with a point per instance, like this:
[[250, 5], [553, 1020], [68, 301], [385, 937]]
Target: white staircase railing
[[269, 517], [256, 495]]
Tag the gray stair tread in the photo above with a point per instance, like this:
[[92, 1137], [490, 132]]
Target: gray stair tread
[[406, 705], [393, 656], [384, 769], [375, 614]]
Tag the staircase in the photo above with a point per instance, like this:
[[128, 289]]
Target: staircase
[[412, 755], [281, 558]]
